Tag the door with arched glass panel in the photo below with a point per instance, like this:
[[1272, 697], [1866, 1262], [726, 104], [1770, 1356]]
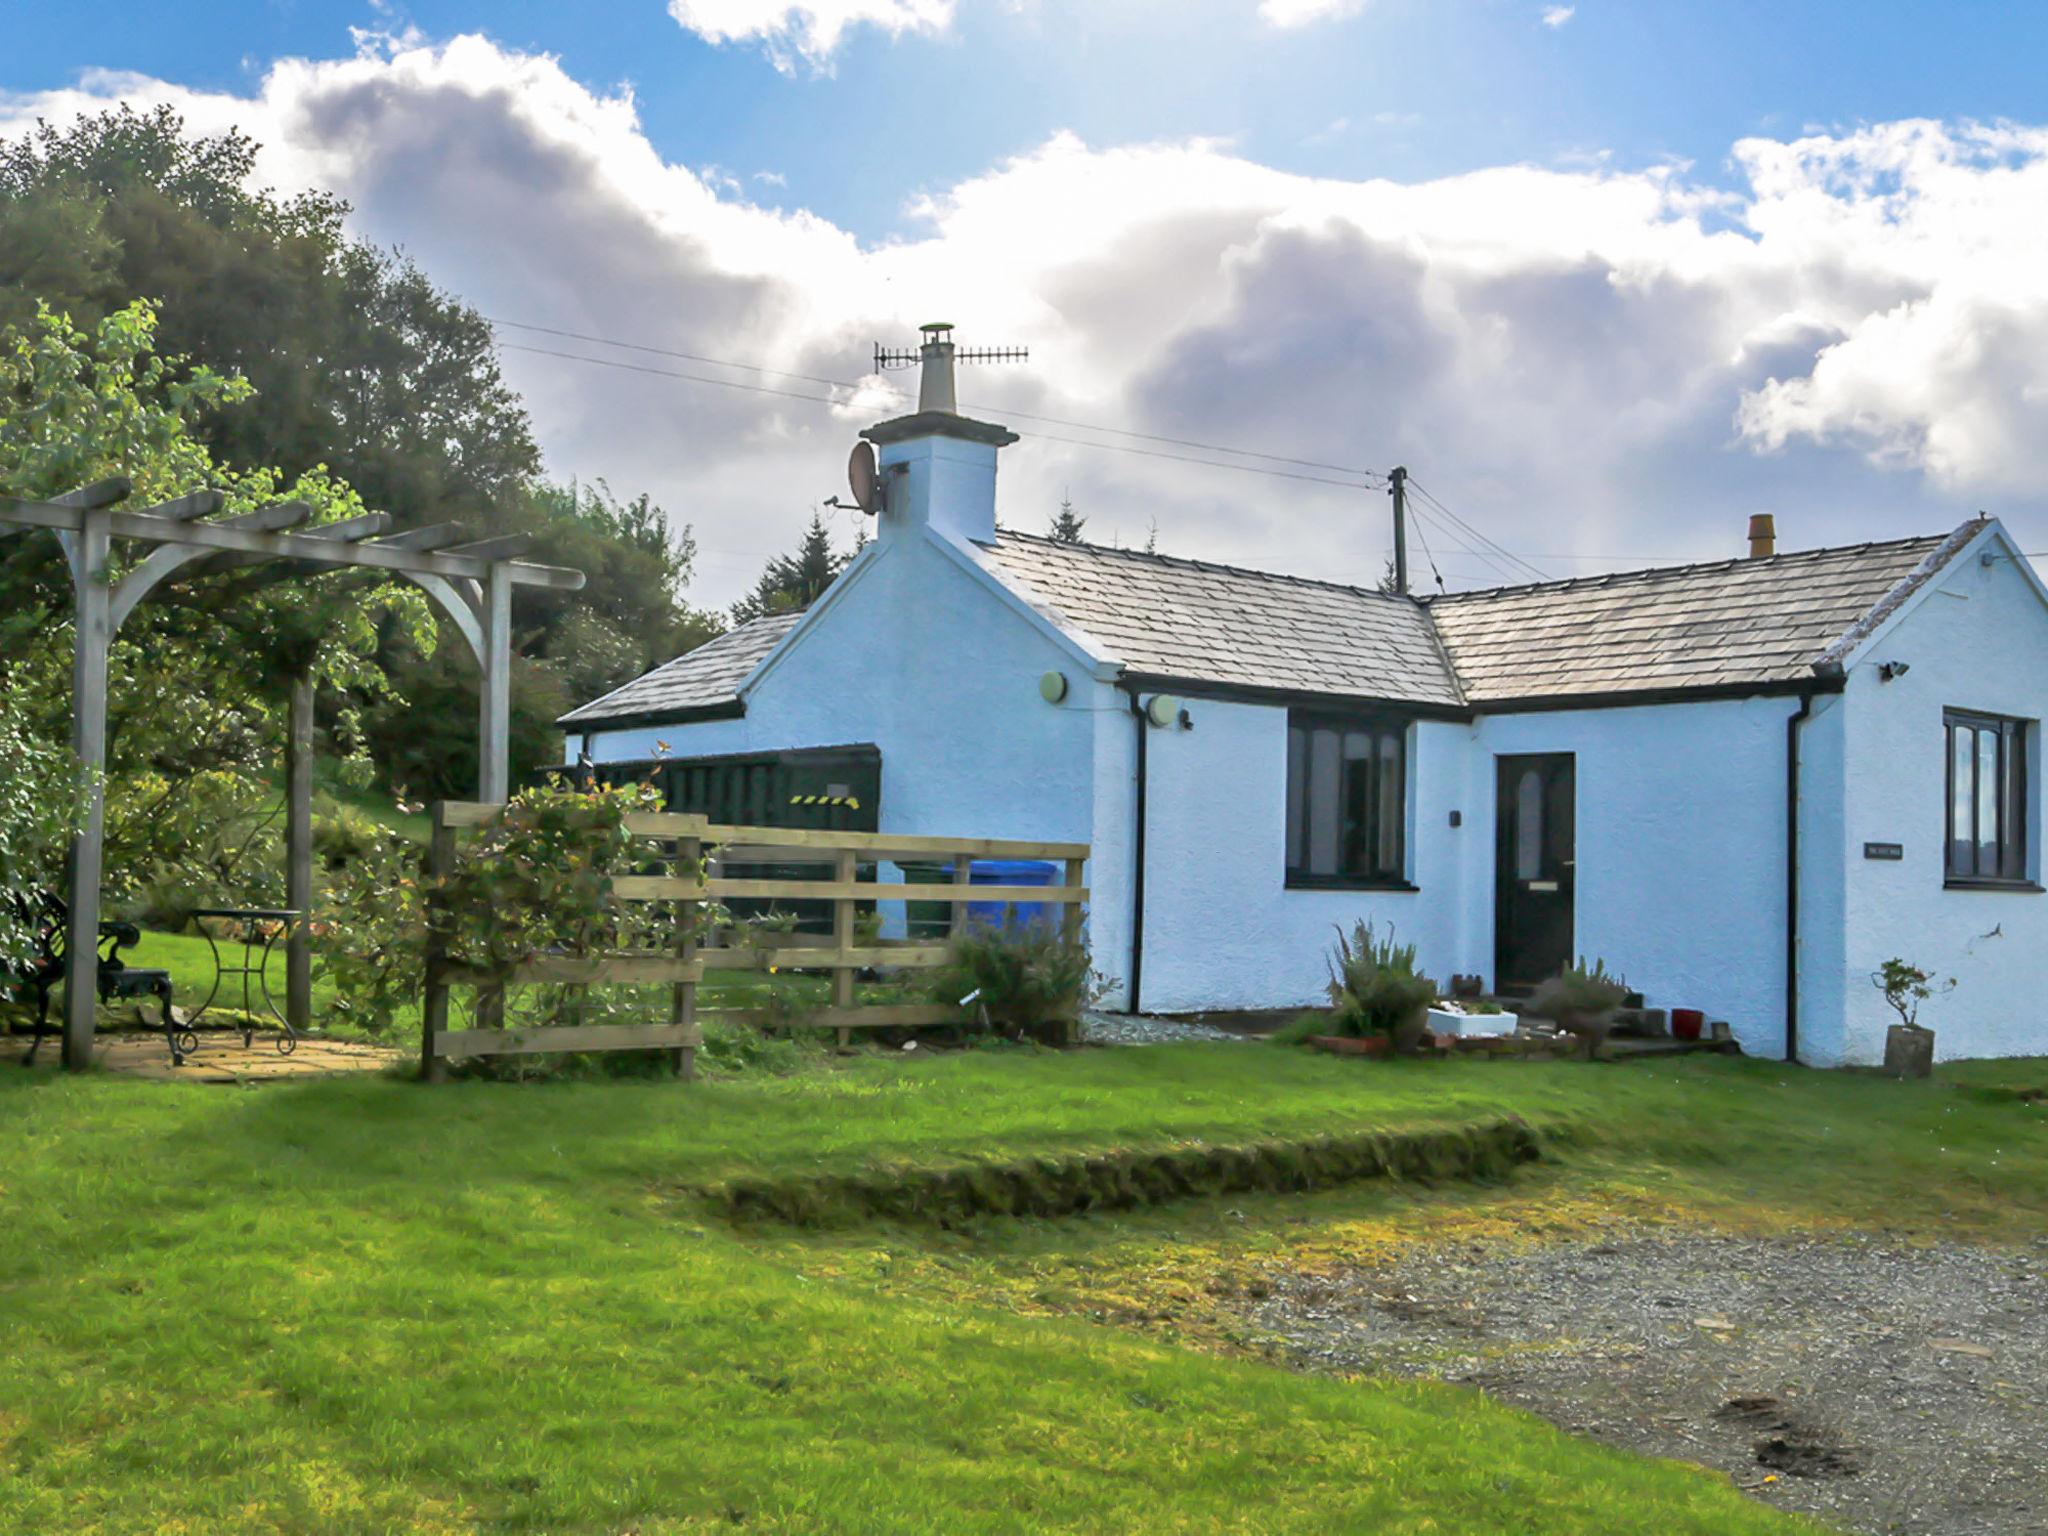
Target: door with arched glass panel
[[1535, 850]]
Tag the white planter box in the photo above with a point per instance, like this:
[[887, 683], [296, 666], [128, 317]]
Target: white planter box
[[1443, 1022]]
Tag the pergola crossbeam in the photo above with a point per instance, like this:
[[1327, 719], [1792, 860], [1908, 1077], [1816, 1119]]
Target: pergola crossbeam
[[507, 546], [471, 582], [433, 536], [101, 493]]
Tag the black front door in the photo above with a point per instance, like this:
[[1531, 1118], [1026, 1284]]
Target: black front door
[[1534, 851]]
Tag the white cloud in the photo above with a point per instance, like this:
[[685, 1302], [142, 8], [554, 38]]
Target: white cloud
[[1555, 16], [806, 30], [1583, 360], [1300, 13]]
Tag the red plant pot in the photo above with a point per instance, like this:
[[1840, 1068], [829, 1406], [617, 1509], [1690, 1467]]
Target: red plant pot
[[1351, 1045], [1687, 1023]]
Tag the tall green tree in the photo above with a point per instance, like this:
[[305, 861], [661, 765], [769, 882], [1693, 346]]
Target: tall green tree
[[794, 581], [360, 368], [361, 363], [198, 675], [1066, 527]]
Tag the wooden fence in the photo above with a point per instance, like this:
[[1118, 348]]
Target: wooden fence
[[689, 842]]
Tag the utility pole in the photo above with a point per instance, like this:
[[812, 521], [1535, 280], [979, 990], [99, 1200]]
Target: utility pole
[[1397, 487]]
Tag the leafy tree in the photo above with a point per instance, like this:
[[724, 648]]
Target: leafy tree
[[199, 674], [1066, 527], [360, 362], [793, 582], [360, 367]]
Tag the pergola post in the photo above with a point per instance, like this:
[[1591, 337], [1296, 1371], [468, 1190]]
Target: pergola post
[[472, 583], [298, 879], [88, 548], [494, 725]]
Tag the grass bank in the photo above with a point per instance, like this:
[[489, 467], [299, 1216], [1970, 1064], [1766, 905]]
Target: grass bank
[[357, 1306]]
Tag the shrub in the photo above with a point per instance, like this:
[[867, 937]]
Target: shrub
[[41, 805], [1301, 1029], [1578, 991], [1906, 987], [1374, 988], [1026, 975]]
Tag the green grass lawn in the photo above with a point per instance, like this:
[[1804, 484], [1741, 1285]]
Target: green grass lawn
[[367, 1306]]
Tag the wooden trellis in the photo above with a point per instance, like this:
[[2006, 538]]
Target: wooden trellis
[[470, 582]]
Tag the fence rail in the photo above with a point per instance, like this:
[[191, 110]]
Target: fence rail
[[701, 848]]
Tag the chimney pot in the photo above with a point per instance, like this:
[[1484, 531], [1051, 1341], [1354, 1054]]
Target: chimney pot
[[935, 374], [1763, 536]]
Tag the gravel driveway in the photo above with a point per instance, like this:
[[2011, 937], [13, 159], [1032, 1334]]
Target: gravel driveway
[[1882, 1388]]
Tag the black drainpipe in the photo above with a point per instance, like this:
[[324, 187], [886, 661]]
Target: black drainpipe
[[1138, 872], [1792, 723]]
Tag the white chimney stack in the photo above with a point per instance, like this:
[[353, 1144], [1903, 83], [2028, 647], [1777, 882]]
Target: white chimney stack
[[938, 468]]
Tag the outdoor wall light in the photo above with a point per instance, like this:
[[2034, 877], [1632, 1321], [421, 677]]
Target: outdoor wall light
[[1891, 669], [1163, 710], [1053, 687]]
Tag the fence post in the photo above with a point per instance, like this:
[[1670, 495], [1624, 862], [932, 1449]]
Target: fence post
[[845, 870], [1070, 933], [963, 874], [434, 1005], [683, 1000]]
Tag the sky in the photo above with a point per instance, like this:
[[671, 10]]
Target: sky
[[1606, 277]]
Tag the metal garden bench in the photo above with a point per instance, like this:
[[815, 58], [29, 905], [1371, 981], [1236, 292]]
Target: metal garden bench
[[116, 979]]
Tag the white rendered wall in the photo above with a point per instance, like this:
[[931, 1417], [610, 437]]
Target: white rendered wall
[[1979, 641], [914, 655], [1680, 879], [1221, 929]]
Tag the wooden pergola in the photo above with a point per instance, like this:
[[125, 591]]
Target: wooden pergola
[[471, 583]]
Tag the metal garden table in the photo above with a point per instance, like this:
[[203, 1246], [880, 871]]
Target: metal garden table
[[258, 930]]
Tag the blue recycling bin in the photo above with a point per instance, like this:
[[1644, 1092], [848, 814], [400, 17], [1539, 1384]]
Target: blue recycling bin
[[994, 914]]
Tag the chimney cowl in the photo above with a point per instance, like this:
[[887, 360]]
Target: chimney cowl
[[1763, 536]]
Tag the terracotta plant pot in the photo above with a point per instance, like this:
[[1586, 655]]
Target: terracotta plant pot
[[1351, 1045]]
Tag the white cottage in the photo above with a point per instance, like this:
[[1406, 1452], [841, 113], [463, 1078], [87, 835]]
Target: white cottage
[[1743, 784]]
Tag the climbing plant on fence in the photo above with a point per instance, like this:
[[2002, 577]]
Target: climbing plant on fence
[[536, 881]]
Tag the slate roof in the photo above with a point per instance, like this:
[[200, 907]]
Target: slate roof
[[1733, 623], [702, 682], [1193, 621], [1728, 624]]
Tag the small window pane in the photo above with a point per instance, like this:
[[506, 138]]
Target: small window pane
[[1323, 808], [1297, 793], [1987, 802], [1388, 852], [1529, 826], [1962, 799]]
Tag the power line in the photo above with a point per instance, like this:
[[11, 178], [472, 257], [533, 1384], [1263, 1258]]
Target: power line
[[1051, 437], [1482, 538], [1458, 522], [815, 378], [1451, 536]]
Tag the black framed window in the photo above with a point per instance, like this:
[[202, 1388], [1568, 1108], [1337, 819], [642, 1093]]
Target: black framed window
[[1347, 796], [1987, 799]]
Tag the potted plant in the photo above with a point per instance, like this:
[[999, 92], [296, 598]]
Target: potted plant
[[1908, 1044], [1581, 1002], [1375, 992]]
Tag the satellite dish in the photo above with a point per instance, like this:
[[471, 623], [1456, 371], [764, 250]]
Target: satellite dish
[[862, 476], [1163, 710]]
